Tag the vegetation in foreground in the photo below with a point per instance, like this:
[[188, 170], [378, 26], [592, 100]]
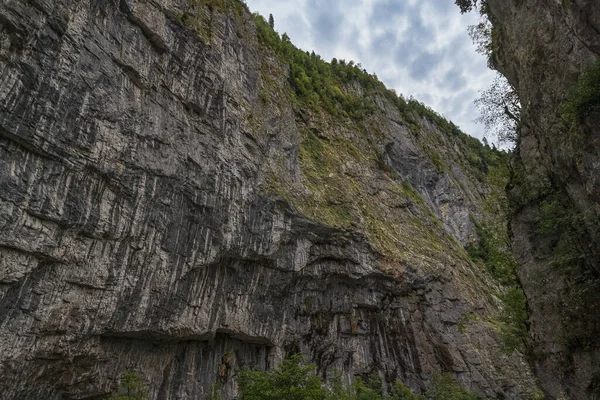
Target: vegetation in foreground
[[294, 379], [131, 387]]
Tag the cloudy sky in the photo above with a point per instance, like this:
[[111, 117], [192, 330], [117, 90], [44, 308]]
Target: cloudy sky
[[418, 47]]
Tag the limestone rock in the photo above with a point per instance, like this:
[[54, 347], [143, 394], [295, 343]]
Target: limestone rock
[[154, 217]]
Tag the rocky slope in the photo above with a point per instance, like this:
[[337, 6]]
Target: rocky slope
[[544, 48], [169, 205]]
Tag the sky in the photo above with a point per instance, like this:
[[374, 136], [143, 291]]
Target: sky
[[417, 47]]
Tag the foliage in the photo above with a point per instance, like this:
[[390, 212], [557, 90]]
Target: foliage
[[318, 82], [237, 6], [362, 391], [271, 21], [500, 111], [499, 105], [484, 34], [401, 392], [295, 379], [201, 22], [494, 250], [482, 157], [584, 98], [131, 388], [492, 246], [466, 5], [292, 380], [571, 236], [337, 390], [481, 35], [513, 331], [443, 387], [328, 85], [215, 392]]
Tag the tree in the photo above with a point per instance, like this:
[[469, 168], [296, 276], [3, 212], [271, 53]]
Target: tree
[[292, 380], [481, 35], [443, 387], [131, 388], [500, 111], [401, 392], [271, 21], [466, 5]]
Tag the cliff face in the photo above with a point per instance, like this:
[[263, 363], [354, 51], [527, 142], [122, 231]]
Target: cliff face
[[544, 48], [167, 206]]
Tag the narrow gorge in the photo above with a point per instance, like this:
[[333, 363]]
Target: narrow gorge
[[185, 194]]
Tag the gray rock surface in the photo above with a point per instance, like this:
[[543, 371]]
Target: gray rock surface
[[542, 47], [140, 228]]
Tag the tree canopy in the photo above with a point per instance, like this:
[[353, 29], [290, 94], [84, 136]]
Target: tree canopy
[[500, 111], [294, 379], [466, 5]]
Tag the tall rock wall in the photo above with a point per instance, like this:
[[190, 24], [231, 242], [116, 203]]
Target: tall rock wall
[[544, 48], [166, 207]]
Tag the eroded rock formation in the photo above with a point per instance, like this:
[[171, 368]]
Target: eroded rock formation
[[159, 214], [543, 48]]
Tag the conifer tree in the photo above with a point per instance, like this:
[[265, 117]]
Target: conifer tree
[[271, 21]]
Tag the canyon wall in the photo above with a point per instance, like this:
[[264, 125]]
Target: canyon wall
[[168, 206], [547, 49]]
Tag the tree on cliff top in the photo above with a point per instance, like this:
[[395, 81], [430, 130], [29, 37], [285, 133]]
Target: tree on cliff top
[[271, 21]]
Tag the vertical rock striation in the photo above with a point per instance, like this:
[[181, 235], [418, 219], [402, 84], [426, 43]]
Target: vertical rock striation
[[544, 48], [158, 215]]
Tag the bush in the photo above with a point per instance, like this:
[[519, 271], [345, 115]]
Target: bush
[[513, 330], [321, 84], [495, 253], [292, 380], [584, 98], [571, 235], [131, 388], [443, 387]]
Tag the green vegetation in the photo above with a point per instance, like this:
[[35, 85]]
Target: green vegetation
[[199, 15], [332, 193], [564, 232], [483, 159], [294, 379], [329, 85], [494, 251], [316, 82], [568, 233], [513, 330], [485, 35], [466, 5], [443, 387], [584, 98], [131, 387], [222, 6], [499, 105], [215, 392], [338, 98]]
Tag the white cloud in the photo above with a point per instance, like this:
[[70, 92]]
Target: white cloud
[[418, 48]]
